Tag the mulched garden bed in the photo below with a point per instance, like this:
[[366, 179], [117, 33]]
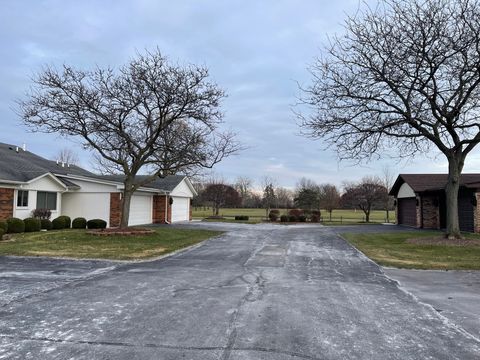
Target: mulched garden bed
[[440, 240], [131, 231]]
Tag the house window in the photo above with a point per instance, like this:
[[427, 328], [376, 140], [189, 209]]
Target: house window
[[22, 198], [46, 200]]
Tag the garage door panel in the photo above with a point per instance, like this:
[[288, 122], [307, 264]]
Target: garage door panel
[[407, 214], [140, 210], [180, 209]]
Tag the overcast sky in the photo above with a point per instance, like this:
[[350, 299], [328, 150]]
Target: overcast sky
[[256, 50]]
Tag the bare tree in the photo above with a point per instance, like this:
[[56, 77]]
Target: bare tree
[[329, 198], [366, 194], [243, 185], [284, 198], [406, 74], [221, 195], [388, 179], [150, 116], [67, 156]]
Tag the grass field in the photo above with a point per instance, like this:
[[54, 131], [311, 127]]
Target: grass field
[[78, 244], [338, 216], [391, 249]]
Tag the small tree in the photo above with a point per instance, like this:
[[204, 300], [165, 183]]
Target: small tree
[[307, 195], [329, 198], [150, 116], [243, 185], [67, 156], [269, 198], [365, 195], [221, 195]]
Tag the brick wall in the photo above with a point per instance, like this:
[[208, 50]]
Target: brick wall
[[115, 209], [430, 212], [476, 214], [159, 203], [6, 203]]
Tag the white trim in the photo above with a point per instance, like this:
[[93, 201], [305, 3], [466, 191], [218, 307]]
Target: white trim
[[53, 177]]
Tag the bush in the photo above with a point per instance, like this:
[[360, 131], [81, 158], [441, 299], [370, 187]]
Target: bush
[[302, 218], [46, 224], [315, 218], [292, 218], [41, 214], [79, 223], [66, 220], [295, 212], [96, 224], [1, 233], [58, 223], [284, 218], [242, 217], [15, 225], [273, 215], [3, 226], [316, 213], [32, 224]]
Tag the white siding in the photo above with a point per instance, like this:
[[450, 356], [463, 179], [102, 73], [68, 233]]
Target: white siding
[[180, 209], [405, 191], [87, 205], [141, 209], [182, 190], [45, 183]]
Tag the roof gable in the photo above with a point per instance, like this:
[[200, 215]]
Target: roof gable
[[432, 182]]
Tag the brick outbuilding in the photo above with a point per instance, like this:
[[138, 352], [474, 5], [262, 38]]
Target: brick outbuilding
[[420, 201]]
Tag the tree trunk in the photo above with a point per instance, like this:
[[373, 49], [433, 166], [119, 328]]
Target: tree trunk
[[330, 215], [455, 166], [367, 215], [125, 214], [388, 214]]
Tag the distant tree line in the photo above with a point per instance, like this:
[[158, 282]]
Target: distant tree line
[[370, 193]]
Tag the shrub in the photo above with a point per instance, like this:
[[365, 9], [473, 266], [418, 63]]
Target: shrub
[[273, 215], [79, 223], [241, 217], [46, 224], [292, 218], [1, 233], [3, 226], [41, 214], [302, 218], [32, 224], [283, 218], [315, 218], [316, 213], [67, 221], [58, 223], [295, 212], [96, 224], [15, 225]]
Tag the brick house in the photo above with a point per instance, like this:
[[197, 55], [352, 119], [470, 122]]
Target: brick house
[[28, 181], [420, 201]]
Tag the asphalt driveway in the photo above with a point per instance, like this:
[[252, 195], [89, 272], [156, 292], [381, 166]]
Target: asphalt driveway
[[257, 292]]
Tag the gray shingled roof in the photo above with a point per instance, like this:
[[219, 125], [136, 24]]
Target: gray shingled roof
[[23, 166], [167, 183], [432, 182]]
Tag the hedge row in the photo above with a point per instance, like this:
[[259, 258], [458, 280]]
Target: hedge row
[[15, 225], [296, 215]]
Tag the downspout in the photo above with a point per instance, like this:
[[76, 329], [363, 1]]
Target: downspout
[[166, 210]]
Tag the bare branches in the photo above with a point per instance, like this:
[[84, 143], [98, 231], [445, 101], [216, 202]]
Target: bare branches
[[149, 115], [404, 74]]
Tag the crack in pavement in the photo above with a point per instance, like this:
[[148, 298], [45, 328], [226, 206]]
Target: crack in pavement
[[160, 346]]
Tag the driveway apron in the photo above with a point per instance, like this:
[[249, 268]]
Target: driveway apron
[[256, 292]]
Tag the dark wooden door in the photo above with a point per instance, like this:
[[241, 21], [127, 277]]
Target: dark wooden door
[[407, 214]]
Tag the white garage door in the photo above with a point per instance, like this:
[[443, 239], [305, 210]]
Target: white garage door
[[140, 210], [180, 209]]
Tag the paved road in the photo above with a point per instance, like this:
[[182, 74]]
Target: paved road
[[257, 292]]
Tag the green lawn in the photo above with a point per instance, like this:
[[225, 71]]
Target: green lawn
[[391, 249], [78, 244], [338, 216]]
